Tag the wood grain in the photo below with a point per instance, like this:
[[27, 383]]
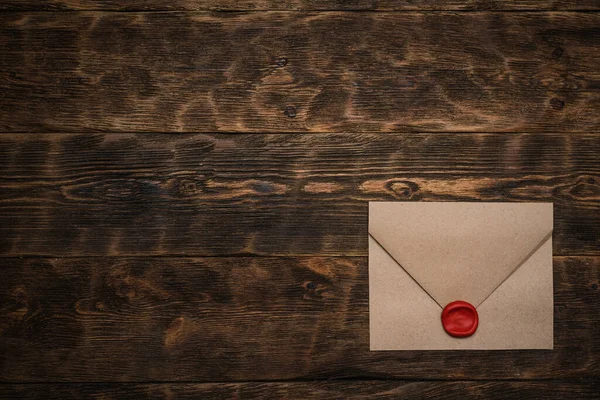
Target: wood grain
[[248, 318], [195, 194], [310, 390], [299, 72], [307, 5]]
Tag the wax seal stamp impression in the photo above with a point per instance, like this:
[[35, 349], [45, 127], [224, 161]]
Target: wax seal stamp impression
[[460, 319]]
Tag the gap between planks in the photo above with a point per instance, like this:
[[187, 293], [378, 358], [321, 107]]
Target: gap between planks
[[297, 11], [356, 379], [221, 256]]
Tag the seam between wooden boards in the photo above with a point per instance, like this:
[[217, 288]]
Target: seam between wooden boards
[[222, 256], [300, 380], [298, 11], [181, 133]]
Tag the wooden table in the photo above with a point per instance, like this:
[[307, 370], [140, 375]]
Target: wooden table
[[184, 188]]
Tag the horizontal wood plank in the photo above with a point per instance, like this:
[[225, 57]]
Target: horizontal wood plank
[[307, 5], [195, 194], [310, 390], [299, 72], [248, 318]]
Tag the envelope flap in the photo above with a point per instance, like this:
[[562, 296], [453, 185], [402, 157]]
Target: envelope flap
[[459, 251]]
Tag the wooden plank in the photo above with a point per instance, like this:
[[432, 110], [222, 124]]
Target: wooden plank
[[248, 318], [307, 5], [195, 194], [310, 390], [297, 72]]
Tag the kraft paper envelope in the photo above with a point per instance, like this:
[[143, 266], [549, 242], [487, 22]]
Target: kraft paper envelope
[[496, 256]]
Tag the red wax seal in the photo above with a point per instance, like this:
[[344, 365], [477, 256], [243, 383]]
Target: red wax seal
[[460, 319]]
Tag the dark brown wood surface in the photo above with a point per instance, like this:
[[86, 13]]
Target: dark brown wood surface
[[299, 72], [322, 5], [183, 191], [333, 390], [196, 194], [248, 318]]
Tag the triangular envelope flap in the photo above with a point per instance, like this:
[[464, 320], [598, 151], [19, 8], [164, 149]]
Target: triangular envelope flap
[[394, 300], [459, 251]]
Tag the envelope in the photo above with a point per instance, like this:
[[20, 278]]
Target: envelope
[[495, 256]]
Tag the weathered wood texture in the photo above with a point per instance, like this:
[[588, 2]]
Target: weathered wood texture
[[310, 390], [196, 194], [256, 5], [285, 72], [248, 318]]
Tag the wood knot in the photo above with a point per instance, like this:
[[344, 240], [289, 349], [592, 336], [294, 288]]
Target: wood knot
[[595, 286], [402, 189], [188, 188], [557, 53], [290, 112], [314, 291], [585, 188], [557, 104], [174, 332], [265, 187], [281, 62], [19, 294]]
